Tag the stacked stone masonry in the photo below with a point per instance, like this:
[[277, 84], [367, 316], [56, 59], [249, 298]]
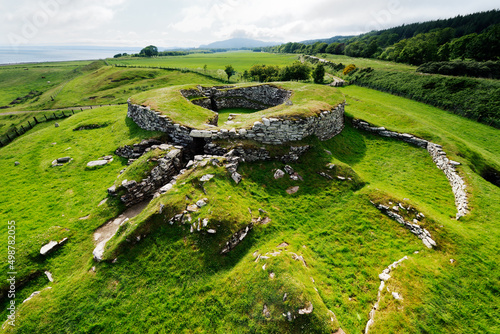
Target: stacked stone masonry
[[274, 131], [438, 156], [168, 166], [255, 97]]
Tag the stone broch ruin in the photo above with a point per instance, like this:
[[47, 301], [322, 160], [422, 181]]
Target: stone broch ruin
[[273, 130], [283, 130]]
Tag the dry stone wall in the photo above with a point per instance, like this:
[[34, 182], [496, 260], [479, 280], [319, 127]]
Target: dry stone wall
[[254, 97], [458, 185], [168, 166], [274, 131], [148, 119]]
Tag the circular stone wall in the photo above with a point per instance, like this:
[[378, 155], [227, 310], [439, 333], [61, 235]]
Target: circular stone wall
[[285, 112], [224, 97]]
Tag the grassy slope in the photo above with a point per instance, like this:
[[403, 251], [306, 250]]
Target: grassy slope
[[367, 62], [45, 200], [463, 297], [9, 122], [95, 85], [16, 81], [174, 282], [347, 243], [464, 140]]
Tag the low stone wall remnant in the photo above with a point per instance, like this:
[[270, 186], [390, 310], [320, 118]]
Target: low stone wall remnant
[[458, 185], [167, 168]]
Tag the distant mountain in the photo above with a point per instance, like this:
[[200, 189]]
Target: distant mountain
[[237, 43], [335, 39]]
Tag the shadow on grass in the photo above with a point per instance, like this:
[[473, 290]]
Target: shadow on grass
[[177, 240], [349, 146], [136, 132]]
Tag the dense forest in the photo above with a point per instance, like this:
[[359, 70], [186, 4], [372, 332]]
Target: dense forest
[[475, 36]]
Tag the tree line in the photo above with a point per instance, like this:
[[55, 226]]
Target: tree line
[[475, 36], [296, 71]]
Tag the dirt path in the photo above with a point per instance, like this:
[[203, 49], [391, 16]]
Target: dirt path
[[104, 233]]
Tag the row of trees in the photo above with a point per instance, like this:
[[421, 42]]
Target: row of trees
[[441, 45], [296, 71], [487, 69]]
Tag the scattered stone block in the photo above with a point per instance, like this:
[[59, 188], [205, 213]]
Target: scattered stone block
[[166, 188], [289, 170], [306, 310], [292, 190], [279, 174], [236, 177], [206, 177], [201, 203], [63, 160], [49, 276], [98, 163], [397, 296], [266, 312]]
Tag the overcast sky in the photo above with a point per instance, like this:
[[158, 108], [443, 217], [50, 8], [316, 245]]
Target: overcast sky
[[190, 23]]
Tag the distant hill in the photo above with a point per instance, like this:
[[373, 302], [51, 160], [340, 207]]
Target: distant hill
[[237, 43], [334, 39]]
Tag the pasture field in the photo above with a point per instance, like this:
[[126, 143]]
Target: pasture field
[[240, 60], [175, 281]]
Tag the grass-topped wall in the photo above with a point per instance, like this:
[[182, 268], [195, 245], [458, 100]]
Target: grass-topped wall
[[295, 111]]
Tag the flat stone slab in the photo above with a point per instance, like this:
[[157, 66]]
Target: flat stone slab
[[47, 248], [206, 177], [97, 163]]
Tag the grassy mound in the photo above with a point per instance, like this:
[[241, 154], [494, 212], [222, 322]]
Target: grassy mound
[[307, 99]]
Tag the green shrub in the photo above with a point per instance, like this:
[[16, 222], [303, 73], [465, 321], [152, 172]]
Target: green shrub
[[476, 99]]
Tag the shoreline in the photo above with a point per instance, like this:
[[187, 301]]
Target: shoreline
[[49, 61]]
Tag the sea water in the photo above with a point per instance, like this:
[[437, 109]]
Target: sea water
[[37, 54]]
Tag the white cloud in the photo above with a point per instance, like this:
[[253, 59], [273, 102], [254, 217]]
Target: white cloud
[[195, 22]]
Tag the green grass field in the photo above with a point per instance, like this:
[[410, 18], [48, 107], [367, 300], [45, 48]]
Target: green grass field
[[240, 60], [367, 62], [175, 281]]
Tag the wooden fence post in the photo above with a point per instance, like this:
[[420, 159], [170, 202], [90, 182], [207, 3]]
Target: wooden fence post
[[36, 121]]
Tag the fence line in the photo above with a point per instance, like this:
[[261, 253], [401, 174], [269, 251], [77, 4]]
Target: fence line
[[183, 70], [9, 136]]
